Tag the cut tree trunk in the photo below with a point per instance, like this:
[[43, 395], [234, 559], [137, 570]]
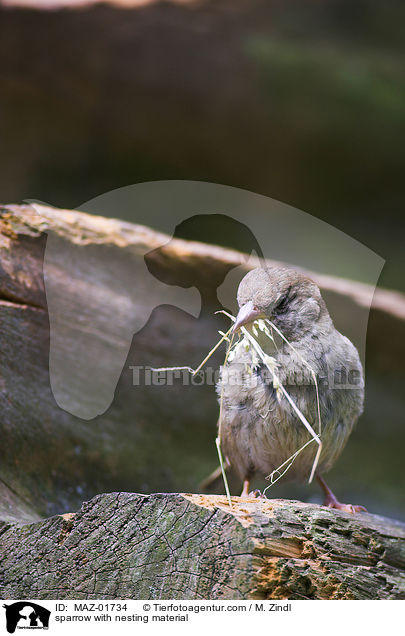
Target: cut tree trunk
[[184, 546]]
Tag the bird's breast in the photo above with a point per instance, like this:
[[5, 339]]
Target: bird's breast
[[259, 428]]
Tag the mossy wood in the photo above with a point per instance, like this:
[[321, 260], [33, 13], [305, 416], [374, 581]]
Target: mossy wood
[[181, 546]]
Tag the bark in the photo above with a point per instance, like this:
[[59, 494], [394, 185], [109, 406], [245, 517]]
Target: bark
[[176, 546]]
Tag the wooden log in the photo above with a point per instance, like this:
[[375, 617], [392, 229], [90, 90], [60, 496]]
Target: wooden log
[[187, 546]]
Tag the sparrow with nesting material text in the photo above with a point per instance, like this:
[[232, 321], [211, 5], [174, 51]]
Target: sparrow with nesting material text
[[259, 428]]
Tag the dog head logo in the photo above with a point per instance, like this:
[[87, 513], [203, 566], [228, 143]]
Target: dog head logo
[[26, 615]]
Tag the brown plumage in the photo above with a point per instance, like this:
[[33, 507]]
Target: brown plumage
[[259, 428]]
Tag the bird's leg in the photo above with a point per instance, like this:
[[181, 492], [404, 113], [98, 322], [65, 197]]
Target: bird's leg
[[245, 489], [330, 500]]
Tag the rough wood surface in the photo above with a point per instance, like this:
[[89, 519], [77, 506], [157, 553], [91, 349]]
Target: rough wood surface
[[123, 545]]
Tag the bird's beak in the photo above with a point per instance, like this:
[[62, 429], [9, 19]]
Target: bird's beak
[[247, 313]]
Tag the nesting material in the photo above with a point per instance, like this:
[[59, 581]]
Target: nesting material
[[248, 340]]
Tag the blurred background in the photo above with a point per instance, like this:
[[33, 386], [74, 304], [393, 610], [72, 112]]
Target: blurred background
[[302, 102]]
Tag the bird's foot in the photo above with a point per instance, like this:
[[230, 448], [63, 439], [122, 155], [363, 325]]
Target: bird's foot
[[257, 494], [332, 502], [252, 493]]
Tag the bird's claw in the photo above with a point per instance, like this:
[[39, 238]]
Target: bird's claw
[[330, 500], [336, 505], [257, 494]]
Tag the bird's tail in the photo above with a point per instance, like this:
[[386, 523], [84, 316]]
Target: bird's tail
[[210, 482]]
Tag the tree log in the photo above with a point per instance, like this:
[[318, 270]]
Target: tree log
[[187, 546]]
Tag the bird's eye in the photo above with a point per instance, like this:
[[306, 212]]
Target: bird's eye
[[282, 304]]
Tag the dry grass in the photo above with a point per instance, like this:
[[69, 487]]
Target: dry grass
[[247, 340]]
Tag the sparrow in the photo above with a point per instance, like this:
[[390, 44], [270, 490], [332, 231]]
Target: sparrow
[[259, 429]]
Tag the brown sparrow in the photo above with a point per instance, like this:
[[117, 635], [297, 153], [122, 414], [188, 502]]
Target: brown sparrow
[[259, 428]]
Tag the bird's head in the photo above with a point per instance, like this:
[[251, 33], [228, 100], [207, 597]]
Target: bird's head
[[291, 300]]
